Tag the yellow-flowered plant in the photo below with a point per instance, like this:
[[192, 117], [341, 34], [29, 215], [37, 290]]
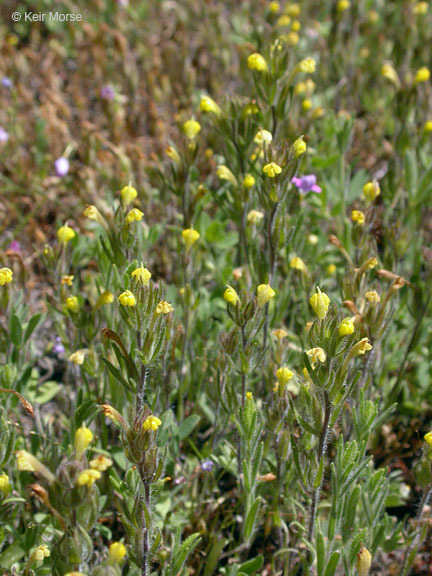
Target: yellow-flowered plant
[[264, 294], [65, 234], [257, 62], [151, 423], [320, 303], [126, 298], [5, 276], [190, 236]]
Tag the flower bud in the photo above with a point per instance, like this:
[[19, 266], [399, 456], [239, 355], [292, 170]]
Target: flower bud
[[5, 485], [72, 304], [231, 296], [191, 128], [364, 561], [83, 439], [299, 147], [371, 190], [207, 104], [116, 553], [320, 303], [65, 234], [346, 327]]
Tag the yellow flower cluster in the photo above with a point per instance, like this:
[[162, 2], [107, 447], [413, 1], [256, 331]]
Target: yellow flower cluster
[[151, 423], [5, 276]]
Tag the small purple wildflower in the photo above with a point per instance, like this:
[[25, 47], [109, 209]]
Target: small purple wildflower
[[58, 347], [6, 82], [15, 246], [107, 92], [4, 136], [61, 166], [306, 184], [207, 465]]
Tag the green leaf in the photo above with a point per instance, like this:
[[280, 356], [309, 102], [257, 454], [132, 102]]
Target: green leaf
[[252, 566], [15, 330], [251, 519], [332, 563], [321, 552], [117, 375], [411, 172], [31, 326], [188, 425], [318, 478]]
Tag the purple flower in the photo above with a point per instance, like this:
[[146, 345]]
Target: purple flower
[[4, 136], [6, 82], [306, 183], [61, 166], [107, 92], [15, 246], [58, 347], [207, 465]]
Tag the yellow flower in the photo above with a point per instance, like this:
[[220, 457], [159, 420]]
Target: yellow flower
[[263, 137], [312, 239], [331, 269], [316, 354], [250, 109], [5, 485], [231, 296], [257, 62], [65, 234], [248, 181], [93, 213], [77, 357], [280, 333], [88, 477], [190, 236], [284, 375], [249, 396], [72, 304], [428, 126], [134, 215], [364, 561], [296, 26], [284, 21], [172, 153], [372, 297], [306, 105], [67, 280], [224, 173], [298, 264], [274, 7], [116, 553], [83, 439], [292, 38], [371, 190], [422, 75], [293, 10], [307, 65], [346, 327], [126, 298], [27, 462], [101, 463], [164, 308], [299, 147], [343, 5], [141, 275], [105, 298], [320, 303], [264, 294], [5, 276], [191, 129], [128, 195], [254, 216], [151, 423], [272, 169], [358, 216], [370, 263], [390, 74], [361, 347], [300, 88], [420, 8], [40, 553], [427, 439], [207, 104]]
